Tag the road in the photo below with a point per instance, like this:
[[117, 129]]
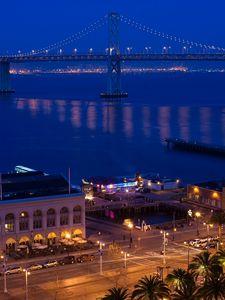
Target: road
[[83, 281]]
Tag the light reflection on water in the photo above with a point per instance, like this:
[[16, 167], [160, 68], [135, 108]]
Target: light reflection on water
[[182, 122], [114, 138]]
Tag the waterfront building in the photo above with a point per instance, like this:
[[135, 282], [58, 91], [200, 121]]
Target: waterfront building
[[95, 185], [208, 194], [157, 183], [37, 207]]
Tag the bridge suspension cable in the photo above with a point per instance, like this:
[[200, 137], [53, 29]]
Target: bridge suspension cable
[[152, 31], [75, 37]]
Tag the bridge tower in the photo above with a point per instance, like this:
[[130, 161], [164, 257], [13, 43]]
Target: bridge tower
[[5, 85], [114, 62]]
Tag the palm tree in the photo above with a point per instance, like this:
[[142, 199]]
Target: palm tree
[[204, 264], [220, 257], [116, 294], [184, 285], [188, 291], [213, 288], [219, 219], [177, 278], [150, 288]]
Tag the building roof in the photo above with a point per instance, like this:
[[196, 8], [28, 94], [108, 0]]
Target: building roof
[[101, 180], [33, 184], [213, 185]]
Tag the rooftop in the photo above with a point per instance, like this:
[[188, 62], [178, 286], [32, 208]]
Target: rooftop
[[101, 180], [213, 185], [32, 184]]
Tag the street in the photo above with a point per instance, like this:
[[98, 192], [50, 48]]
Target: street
[[82, 281]]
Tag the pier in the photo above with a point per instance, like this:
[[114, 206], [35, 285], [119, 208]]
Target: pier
[[194, 146]]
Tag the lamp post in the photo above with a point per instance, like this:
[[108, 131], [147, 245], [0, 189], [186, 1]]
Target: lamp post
[[4, 272], [101, 245], [165, 241], [197, 215], [125, 258], [188, 253], [130, 226], [26, 279], [208, 226]]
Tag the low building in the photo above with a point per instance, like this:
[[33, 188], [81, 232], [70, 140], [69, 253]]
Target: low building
[[37, 207], [157, 183], [210, 194], [108, 185]]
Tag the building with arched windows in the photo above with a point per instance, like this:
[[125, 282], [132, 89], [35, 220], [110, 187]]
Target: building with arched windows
[[36, 207]]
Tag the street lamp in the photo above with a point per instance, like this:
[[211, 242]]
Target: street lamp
[[4, 272], [26, 278], [197, 215], [165, 242], [75, 50], [130, 226], [208, 226], [129, 49], [188, 253], [101, 245], [90, 50], [125, 258]]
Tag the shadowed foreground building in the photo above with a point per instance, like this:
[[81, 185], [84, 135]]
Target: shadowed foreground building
[[37, 207]]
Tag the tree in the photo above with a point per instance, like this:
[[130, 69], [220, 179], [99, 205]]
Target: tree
[[219, 219], [213, 288], [204, 264], [220, 257], [116, 294], [177, 278], [188, 291], [184, 285], [150, 288]]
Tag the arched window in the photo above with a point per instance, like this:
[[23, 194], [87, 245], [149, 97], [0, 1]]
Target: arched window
[[9, 223], [24, 221], [37, 219], [51, 215], [64, 216], [77, 214]]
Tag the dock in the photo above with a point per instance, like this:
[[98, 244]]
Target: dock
[[194, 146]]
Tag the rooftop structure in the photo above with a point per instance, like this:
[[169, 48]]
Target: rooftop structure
[[32, 184]]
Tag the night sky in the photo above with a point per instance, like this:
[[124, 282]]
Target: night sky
[[27, 24]]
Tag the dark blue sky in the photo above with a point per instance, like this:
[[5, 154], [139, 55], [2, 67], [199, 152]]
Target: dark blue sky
[[27, 24]]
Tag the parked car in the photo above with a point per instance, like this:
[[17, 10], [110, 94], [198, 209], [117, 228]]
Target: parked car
[[67, 260], [209, 246], [50, 264], [13, 270], [34, 267], [194, 242], [85, 258]]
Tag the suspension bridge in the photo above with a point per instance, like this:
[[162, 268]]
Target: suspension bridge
[[112, 56]]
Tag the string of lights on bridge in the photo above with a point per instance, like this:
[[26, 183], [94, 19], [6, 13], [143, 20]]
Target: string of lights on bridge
[[134, 24], [151, 31], [71, 39]]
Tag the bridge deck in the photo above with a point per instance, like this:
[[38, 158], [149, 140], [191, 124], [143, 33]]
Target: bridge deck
[[122, 57]]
